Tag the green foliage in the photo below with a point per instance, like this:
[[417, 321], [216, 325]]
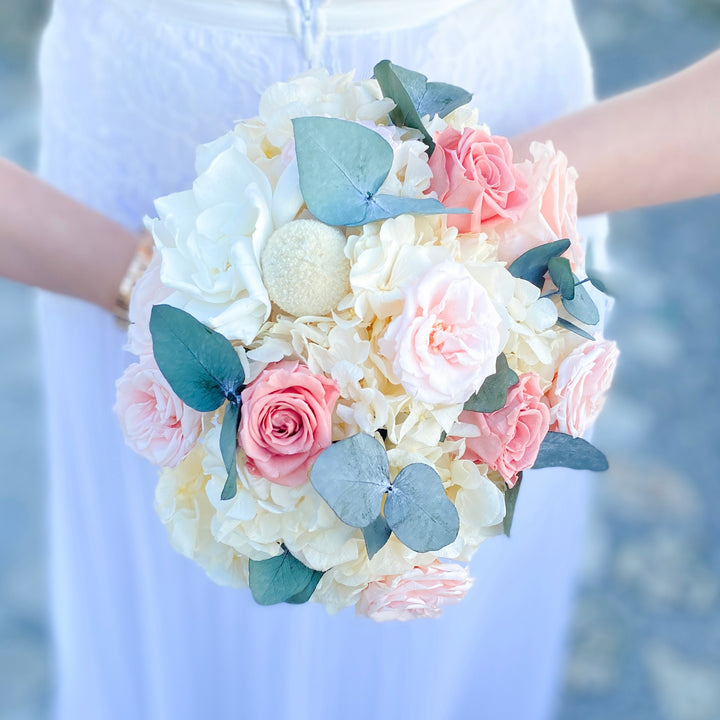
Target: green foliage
[[511, 496], [282, 578], [533, 264], [415, 97], [581, 306], [228, 448], [200, 365], [492, 395], [376, 535], [561, 274], [352, 475], [561, 450], [418, 510], [563, 323]]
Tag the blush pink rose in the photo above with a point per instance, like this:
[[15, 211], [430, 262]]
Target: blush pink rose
[[446, 340], [155, 422], [508, 440], [578, 393], [285, 421], [552, 210], [148, 291], [475, 170], [418, 593]]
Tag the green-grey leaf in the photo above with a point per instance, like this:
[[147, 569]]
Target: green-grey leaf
[[561, 450], [200, 365], [582, 306], [228, 447], [306, 594], [561, 274], [429, 98], [341, 165], [562, 322], [405, 113], [511, 495], [492, 395], [376, 534], [533, 264], [280, 579], [599, 284], [419, 512], [352, 475]]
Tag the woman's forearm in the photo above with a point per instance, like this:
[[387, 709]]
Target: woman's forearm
[[659, 143], [51, 241]]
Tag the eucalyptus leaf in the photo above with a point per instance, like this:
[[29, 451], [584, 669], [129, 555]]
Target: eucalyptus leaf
[[428, 98], [562, 322], [352, 475], [282, 578], [561, 274], [341, 165], [533, 264], [492, 395], [380, 207], [405, 114], [582, 306], [418, 510], [511, 495], [376, 535], [228, 447], [599, 284], [561, 450], [304, 595], [200, 365]]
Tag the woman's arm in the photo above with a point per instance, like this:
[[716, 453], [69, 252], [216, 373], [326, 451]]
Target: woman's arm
[[659, 143], [53, 242]]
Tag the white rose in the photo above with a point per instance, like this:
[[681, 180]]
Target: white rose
[[210, 239]]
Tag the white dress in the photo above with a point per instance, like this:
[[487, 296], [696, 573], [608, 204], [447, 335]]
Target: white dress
[[130, 88]]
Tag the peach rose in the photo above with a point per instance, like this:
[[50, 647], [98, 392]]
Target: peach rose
[[578, 393], [552, 211], [508, 440], [155, 422], [420, 592], [446, 340], [475, 170], [285, 422]]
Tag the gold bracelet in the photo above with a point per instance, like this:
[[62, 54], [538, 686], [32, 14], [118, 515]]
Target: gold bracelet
[[138, 265]]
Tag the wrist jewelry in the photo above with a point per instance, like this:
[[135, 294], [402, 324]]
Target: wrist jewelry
[[138, 265]]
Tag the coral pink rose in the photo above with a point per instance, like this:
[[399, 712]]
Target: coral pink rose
[[156, 423], [475, 170], [420, 592], [508, 440], [446, 340], [286, 421], [578, 393], [552, 211]]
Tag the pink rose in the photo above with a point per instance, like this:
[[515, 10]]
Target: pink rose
[[475, 171], [446, 340], [148, 291], [552, 211], [155, 422], [578, 393], [508, 440], [285, 422], [418, 593]]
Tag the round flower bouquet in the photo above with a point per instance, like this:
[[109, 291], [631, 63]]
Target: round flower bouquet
[[360, 326]]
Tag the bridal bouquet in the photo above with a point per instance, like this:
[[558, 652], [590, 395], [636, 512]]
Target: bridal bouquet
[[361, 325]]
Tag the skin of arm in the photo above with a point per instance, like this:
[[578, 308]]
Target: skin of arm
[[53, 242], [659, 143]]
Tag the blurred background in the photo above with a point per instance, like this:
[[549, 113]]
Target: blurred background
[[646, 633]]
